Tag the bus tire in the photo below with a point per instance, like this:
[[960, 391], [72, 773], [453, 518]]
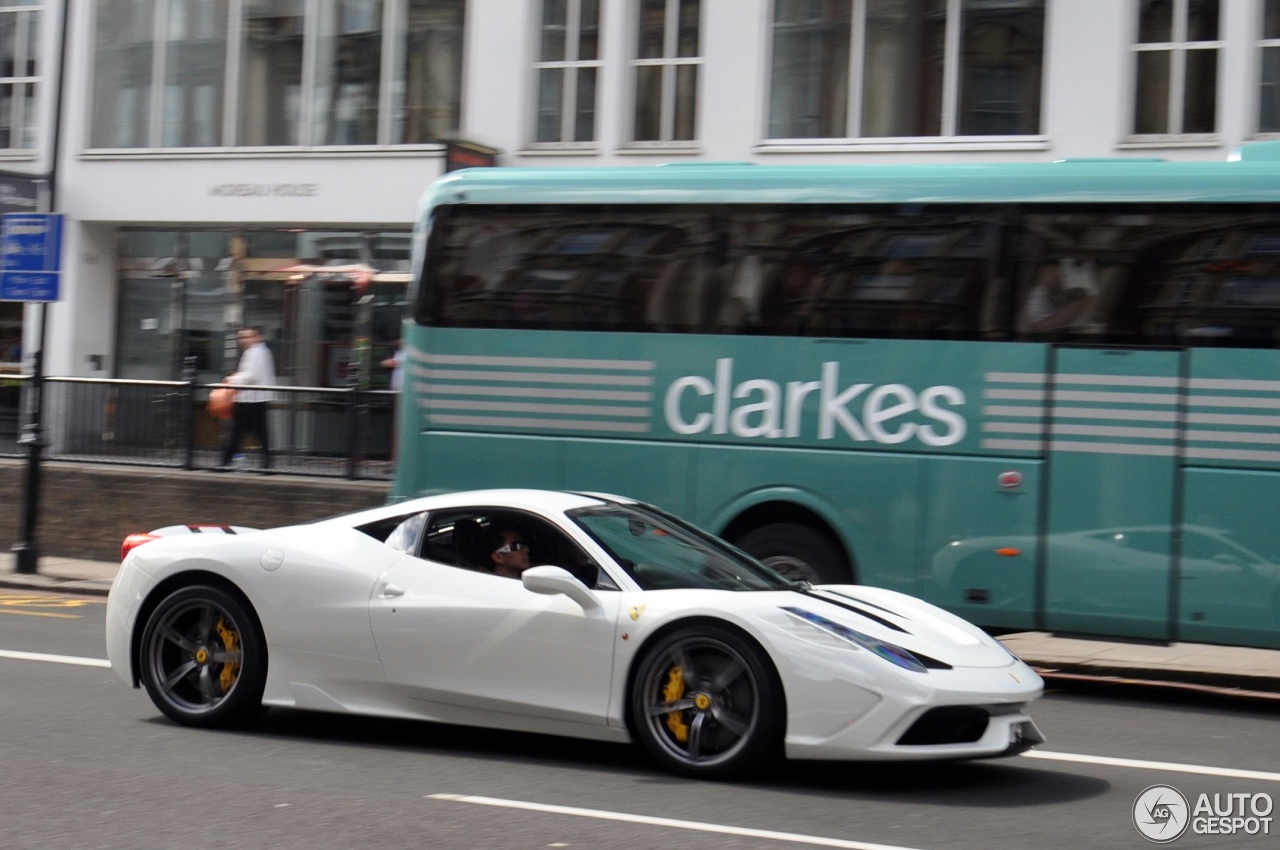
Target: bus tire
[[798, 552]]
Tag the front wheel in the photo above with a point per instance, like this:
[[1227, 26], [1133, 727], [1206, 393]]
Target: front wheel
[[708, 704], [203, 658], [798, 552]]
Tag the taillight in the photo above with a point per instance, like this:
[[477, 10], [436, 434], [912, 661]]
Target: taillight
[[133, 541]]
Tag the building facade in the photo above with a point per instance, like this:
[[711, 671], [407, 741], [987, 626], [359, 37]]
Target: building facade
[[230, 162]]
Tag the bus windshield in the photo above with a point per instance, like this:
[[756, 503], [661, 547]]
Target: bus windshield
[[660, 554]]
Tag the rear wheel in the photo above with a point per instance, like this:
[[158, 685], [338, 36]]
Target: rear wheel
[[203, 658], [798, 552], [708, 704]]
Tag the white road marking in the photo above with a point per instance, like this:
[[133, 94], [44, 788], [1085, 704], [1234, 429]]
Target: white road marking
[[798, 838], [1140, 764], [792, 837], [54, 659]]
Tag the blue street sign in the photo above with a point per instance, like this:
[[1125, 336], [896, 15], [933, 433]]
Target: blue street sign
[[32, 257]]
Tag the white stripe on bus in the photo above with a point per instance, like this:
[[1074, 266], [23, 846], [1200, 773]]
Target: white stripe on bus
[[1205, 453], [1153, 381], [1081, 395], [537, 377], [1015, 395], [1234, 401], [1234, 437], [535, 392], [1235, 384], [1232, 419], [1013, 410], [1114, 413], [1015, 377], [1120, 431], [1080, 447], [539, 424], [523, 407], [1068, 412], [1060, 428], [536, 362]]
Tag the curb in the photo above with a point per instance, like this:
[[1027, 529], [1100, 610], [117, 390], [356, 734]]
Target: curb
[[84, 587], [1234, 684]]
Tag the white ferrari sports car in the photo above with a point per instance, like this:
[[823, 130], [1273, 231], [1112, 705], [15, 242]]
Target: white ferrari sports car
[[583, 615]]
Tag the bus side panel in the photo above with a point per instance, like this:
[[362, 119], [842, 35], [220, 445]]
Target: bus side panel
[[1229, 564], [658, 473], [1229, 590], [458, 460], [1112, 472], [875, 497], [980, 538]]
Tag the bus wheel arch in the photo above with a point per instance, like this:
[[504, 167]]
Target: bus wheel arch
[[794, 540]]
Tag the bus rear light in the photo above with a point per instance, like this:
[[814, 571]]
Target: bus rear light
[[1008, 552], [133, 541]]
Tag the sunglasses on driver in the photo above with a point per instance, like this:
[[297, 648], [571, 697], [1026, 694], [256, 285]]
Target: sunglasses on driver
[[513, 546]]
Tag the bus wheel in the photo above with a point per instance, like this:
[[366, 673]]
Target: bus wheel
[[798, 552]]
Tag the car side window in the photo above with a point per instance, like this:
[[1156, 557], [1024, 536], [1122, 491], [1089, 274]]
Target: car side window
[[407, 536], [467, 539]]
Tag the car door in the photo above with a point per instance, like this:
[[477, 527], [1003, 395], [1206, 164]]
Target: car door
[[467, 640]]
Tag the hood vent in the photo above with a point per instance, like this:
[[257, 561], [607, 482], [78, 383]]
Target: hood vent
[[826, 596]]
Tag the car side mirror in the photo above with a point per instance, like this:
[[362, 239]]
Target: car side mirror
[[557, 580]]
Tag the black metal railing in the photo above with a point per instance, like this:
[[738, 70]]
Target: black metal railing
[[339, 433]]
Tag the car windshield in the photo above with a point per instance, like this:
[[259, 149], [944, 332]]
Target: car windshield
[[661, 552]]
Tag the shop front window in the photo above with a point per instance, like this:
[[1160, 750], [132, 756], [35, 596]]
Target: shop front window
[[317, 296]]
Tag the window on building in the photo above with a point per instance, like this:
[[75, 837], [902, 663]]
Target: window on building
[[1269, 89], [19, 74], [271, 72], [194, 58], [666, 70], [348, 63], [906, 68], [299, 73], [428, 88], [1176, 90], [567, 71]]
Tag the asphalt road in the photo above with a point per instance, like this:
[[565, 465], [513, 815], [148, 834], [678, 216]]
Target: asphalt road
[[85, 762]]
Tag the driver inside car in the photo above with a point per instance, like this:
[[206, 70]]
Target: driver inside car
[[510, 553]]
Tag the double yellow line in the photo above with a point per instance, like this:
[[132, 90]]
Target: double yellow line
[[13, 603]]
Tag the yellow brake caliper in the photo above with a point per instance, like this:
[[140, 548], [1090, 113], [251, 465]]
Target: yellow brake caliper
[[672, 692], [231, 641]]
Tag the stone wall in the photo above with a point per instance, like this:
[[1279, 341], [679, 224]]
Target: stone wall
[[86, 510]]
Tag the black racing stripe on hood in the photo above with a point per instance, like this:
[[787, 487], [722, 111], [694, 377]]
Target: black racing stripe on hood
[[826, 595]]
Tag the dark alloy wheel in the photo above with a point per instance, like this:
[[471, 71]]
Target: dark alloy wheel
[[708, 704], [203, 658]]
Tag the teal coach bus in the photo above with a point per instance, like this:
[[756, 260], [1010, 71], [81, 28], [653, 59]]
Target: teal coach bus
[[1040, 395]]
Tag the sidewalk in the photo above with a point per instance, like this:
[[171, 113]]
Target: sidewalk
[[1238, 670]]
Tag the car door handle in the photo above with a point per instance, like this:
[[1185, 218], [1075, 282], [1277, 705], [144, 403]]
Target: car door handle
[[390, 591]]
